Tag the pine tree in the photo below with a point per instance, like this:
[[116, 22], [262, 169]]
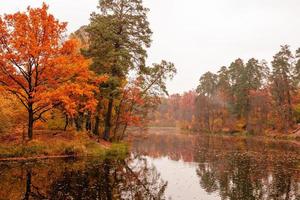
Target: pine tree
[[283, 85], [119, 35]]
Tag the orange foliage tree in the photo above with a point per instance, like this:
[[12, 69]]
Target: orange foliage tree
[[39, 66]]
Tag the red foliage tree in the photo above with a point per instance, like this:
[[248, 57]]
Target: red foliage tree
[[38, 66]]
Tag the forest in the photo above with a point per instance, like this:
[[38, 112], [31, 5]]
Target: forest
[[94, 80], [252, 96], [84, 114]]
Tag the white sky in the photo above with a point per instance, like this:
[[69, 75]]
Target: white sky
[[198, 35]]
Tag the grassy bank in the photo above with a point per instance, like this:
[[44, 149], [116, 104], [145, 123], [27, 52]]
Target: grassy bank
[[271, 135], [58, 144]]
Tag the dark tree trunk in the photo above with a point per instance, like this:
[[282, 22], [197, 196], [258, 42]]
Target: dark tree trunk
[[106, 134], [117, 123], [97, 123], [88, 123], [97, 118], [28, 185], [30, 122], [79, 122], [66, 123], [108, 190], [123, 132], [290, 111]]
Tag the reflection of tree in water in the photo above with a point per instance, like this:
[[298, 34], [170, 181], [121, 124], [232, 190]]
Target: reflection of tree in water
[[283, 184], [174, 146], [245, 175], [108, 179], [236, 168]]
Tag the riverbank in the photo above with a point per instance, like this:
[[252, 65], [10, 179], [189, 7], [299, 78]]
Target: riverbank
[[292, 138], [57, 144]]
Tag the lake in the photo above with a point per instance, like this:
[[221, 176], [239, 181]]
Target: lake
[[165, 164]]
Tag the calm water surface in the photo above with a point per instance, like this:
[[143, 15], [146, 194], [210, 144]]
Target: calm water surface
[[165, 166]]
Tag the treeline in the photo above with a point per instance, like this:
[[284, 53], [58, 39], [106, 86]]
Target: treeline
[[95, 80], [251, 96]]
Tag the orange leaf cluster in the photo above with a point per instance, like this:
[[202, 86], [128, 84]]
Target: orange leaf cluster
[[40, 67]]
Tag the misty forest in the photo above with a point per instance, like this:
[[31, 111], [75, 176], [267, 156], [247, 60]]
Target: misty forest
[[84, 116]]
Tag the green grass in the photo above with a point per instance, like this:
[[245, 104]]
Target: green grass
[[118, 150]]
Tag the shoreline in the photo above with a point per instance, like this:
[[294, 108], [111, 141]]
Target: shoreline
[[33, 158], [61, 145], [268, 139], [116, 149], [274, 136]]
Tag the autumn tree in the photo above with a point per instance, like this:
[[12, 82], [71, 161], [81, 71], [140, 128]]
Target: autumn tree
[[223, 80], [238, 82], [143, 95], [208, 84], [187, 105], [12, 113], [119, 35], [297, 65], [260, 113], [174, 102], [254, 80], [207, 89], [245, 96], [283, 85], [227, 95], [36, 62]]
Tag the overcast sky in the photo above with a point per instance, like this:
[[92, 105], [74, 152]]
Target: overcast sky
[[198, 35]]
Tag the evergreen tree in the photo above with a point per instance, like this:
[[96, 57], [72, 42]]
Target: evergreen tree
[[283, 85], [237, 87], [119, 35]]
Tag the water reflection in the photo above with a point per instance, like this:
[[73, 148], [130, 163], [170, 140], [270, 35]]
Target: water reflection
[[165, 166], [231, 168], [250, 176], [108, 179], [263, 172]]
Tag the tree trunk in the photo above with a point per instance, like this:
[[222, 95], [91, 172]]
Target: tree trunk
[[106, 134], [79, 122], [107, 183], [30, 122], [123, 132], [118, 119], [28, 185], [97, 123], [97, 118], [290, 111], [88, 123], [247, 114], [66, 123]]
